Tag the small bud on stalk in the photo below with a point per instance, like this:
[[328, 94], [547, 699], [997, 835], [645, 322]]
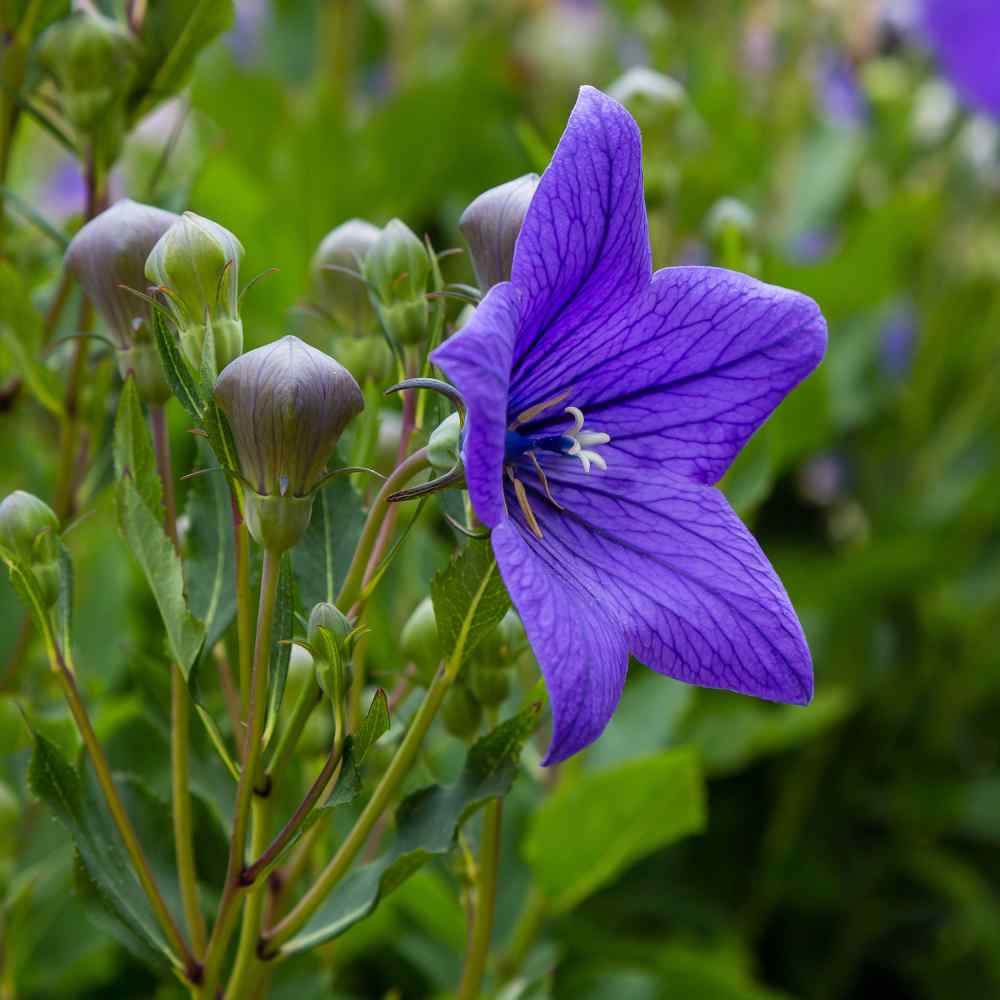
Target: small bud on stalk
[[330, 638], [197, 264], [444, 447], [287, 404], [28, 531], [342, 296], [461, 713], [398, 269], [93, 60], [491, 225], [419, 641], [108, 257]]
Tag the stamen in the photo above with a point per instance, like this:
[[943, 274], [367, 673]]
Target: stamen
[[522, 499], [584, 442], [533, 411], [545, 481]]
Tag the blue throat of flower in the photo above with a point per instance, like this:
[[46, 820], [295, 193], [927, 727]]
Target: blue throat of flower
[[575, 442]]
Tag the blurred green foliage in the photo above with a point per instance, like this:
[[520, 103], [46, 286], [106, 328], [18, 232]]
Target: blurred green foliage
[[848, 849]]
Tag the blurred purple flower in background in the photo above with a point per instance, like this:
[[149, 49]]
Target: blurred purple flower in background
[[838, 92], [245, 40], [897, 341], [64, 190], [811, 246], [965, 37], [604, 401]]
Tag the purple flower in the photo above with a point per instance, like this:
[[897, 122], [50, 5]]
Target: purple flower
[[965, 37], [604, 401], [839, 94], [897, 342]]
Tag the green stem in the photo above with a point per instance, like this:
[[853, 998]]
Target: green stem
[[244, 609], [486, 896], [180, 716], [120, 817], [228, 909], [309, 697], [356, 573], [398, 769]]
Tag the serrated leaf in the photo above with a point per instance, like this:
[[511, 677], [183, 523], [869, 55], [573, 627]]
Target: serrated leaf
[[469, 599], [162, 568], [64, 603], [209, 557], [133, 450], [612, 822], [322, 557], [21, 338], [374, 726], [427, 825], [281, 644], [79, 807], [175, 369]]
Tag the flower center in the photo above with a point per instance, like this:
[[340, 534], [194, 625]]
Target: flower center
[[575, 442]]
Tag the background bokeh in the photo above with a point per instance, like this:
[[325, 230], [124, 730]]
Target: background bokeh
[[852, 849]]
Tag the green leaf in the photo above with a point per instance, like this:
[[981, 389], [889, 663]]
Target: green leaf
[[322, 557], [133, 448], [469, 600], [374, 726], [209, 560], [612, 823], [162, 568], [21, 339], [175, 369], [427, 825], [173, 34], [281, 645], [81, 809], [64, 604]]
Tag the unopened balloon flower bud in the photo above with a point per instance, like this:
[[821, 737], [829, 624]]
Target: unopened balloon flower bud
[[365, 357], [490, 687], [329, 635], [108, 257], [340, 295], [28, 535], [329, 618], [398, 268], [445, 444], [461, 713], [287, 404], [491, 225], [93, 59], [419, 641], [197, 264]]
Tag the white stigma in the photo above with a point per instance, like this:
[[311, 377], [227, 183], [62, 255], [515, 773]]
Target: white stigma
[[585, 441]]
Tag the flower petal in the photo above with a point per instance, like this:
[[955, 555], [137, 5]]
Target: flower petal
[[688, 583], [477, 360], [583, 251], [686, 376], [579, 645]]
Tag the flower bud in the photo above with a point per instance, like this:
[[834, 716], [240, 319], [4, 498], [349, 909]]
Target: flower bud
[[93, 60], [461, 713], [491, 225], [729, 214], [287, 405], [398, 268], [343, 297], [419, 641], [107, 253], [445, 443], [331, 619], [197, 263], [365, 357], [328, 634], [490, 687], [28, 531]]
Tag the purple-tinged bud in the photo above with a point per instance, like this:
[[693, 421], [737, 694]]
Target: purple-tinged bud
[[28, 532], [93, 59], [418, 641], [491, 225], [398, 268], [343, 297], [110, 252], [287, 404], [197, 263]]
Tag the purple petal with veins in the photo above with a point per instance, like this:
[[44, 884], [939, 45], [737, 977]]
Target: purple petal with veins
[[604, 400]]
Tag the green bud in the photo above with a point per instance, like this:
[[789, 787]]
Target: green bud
[[93, 60], [490, 687], [444, 445], [461, 713], [398, 268], [343, 297], [197, 262], [28, 532], [491, 225], [365, 357], [501, 647], [419, 641], [729, 214], [287, 404], [330, 618], [328, 635], [108, 256]]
